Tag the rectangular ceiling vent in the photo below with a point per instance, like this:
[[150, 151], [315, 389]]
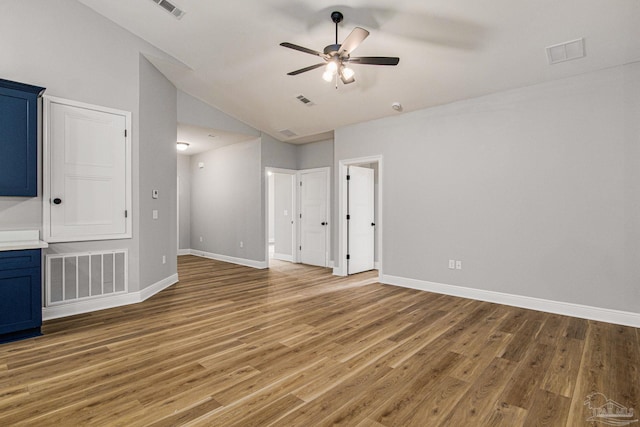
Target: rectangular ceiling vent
[[288, 133], [306, 101], [171, 8], [566, 51]]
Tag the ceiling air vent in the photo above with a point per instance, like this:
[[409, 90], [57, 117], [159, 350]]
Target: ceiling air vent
[[171, 8], [566, 51], [288, 133], [306, 101]]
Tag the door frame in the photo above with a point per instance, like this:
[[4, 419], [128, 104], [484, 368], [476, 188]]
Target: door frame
[[341, 264], [327, 171], [294, 213]]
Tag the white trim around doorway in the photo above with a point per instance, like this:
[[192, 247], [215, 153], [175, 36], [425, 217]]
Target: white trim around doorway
[[340, 257]]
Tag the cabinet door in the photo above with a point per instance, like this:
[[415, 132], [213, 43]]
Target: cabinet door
[[20, 300], [18, 139]]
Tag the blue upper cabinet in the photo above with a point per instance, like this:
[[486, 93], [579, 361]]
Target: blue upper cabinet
[[19, 138]]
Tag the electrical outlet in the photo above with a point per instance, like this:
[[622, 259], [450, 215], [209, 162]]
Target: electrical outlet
[[452, 264], [458, 265], [201, 238], [241, 244], [155, 214], [164, 259]]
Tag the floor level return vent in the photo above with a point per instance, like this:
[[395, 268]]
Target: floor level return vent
[[82, 276]]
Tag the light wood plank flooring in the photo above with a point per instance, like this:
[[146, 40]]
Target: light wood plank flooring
[[296, 346]]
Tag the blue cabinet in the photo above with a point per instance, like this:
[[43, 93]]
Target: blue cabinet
[[19, 138], [20, 294]]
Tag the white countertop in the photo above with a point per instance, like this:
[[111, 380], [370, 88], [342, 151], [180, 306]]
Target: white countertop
[[16, 240]]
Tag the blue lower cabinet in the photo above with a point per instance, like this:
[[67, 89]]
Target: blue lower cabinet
[[20, 295]]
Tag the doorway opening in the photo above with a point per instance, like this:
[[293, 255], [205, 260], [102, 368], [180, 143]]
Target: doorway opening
[[281, 212], [360, 238], [297, 206]]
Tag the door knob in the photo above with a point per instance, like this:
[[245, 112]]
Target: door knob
[[57, 201], [373, 224], [324, 223]]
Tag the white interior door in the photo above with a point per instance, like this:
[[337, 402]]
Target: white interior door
[[361, 223], [314, 217], [88, 173]]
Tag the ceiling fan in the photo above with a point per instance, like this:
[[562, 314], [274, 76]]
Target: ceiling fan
[[337, 56]]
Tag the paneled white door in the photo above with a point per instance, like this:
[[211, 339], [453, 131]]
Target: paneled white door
[[87, 173], [361, 223], [314, 217]]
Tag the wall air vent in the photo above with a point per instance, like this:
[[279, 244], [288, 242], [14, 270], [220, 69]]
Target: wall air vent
[[171, 8], [288, 133], [566, 51], [306, 101]]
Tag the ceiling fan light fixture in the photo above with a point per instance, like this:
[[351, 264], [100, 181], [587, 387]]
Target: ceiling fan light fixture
[[347, 73], [327, 76], [182, 146], [332, 67]]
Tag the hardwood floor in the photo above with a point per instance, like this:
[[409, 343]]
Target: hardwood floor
[[296, 346]]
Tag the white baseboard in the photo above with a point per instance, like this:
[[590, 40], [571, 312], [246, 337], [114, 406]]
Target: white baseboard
[[184, 252], [283, 257], [103, 303], [233, 260], [163, 284], [549, 306], [337, 271]]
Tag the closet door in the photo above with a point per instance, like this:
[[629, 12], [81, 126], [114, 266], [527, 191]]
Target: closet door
[[88, 180]]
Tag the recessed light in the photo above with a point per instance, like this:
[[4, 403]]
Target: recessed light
[[182, 146]]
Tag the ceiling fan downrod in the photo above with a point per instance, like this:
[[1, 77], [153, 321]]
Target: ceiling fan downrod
[[337, 18]]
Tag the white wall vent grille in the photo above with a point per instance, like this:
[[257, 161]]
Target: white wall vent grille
[[566, 51], [171, 8], [83, 276]]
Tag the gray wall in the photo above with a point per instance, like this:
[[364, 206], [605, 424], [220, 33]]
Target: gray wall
[[184, 191], [277, 154], [536, 190], [225, 205], [158, 134], [226, 201], [314, 155], [47, 43]]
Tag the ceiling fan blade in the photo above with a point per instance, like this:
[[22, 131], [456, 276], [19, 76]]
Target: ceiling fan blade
[[301, 49], [353, 40], [304, 70], [373, 60]]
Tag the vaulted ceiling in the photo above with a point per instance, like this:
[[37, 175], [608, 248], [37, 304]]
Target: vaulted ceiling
[[228, 55]]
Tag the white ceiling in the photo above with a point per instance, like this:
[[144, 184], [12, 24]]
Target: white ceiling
[[203, 139], [449, 50]]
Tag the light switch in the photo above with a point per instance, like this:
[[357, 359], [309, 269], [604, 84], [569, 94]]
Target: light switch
[[286, 212]]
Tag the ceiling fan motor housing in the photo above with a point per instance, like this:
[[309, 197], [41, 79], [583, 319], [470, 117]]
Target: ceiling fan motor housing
[[332, 49]]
